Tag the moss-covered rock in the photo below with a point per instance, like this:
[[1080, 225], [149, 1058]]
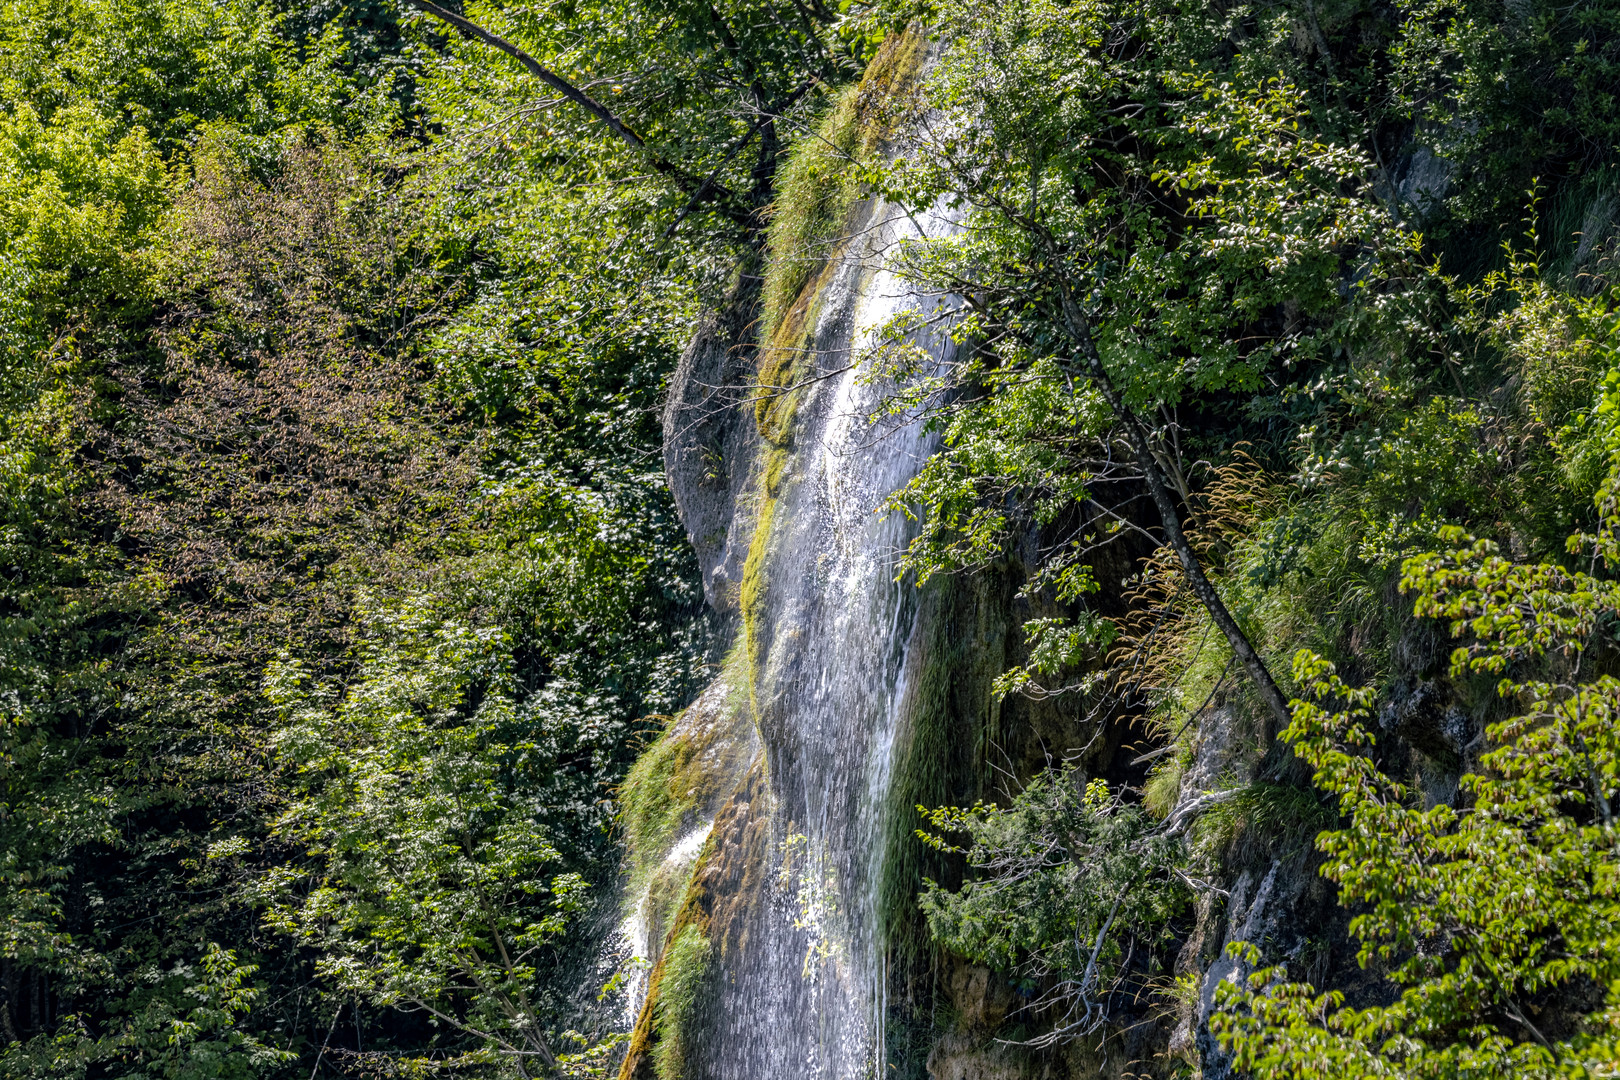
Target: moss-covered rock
[[710, 922], [823, 178], [671, 797], [816, 213]]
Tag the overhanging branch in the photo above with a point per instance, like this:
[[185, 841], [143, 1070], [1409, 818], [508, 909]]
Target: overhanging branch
[[700, 188], [1078, 329]]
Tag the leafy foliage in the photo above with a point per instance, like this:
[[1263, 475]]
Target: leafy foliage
[[419, 797], [1212, 197], [260, 402], [1069, 885], [1553, 114], [336, 571], [1149, 221], [1487, 914]]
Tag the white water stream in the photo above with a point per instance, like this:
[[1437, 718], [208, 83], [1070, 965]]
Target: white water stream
[[804, 997]]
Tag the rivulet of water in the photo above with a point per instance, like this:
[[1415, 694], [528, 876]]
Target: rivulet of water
[[631, 948]]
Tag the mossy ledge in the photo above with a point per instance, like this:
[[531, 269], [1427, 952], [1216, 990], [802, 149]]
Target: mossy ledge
[[711, 922], [677, 786], [811, 224]]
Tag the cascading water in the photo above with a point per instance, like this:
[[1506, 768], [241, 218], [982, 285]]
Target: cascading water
[[802, 993], [774, 962]]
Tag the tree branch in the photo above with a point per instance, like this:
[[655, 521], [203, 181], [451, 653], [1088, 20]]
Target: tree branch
[[708, 185], [1078, 329], [703, 188]]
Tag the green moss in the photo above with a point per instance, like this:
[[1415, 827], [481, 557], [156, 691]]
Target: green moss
[[655, 800], [822, 177], [891, 80], [751, 593], [1267, 817], [817, 191], [787, 359], [940, 750], [775, 468], [681, 994], [814, 192], [676, 783], [680, 985]]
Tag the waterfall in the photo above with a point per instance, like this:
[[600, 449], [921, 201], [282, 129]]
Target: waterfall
[[774, 962], [802, 989]]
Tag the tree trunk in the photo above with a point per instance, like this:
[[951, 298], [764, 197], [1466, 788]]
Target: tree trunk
[[1078, 329]]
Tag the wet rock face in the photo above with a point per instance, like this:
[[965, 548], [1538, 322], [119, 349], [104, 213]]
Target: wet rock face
[[670, 803], [981, 997], [710, 440], [1133, 1054], [1255, 914], [960, 1058]]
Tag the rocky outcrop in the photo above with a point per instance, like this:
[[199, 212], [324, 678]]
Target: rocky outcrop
[[711, 441]]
